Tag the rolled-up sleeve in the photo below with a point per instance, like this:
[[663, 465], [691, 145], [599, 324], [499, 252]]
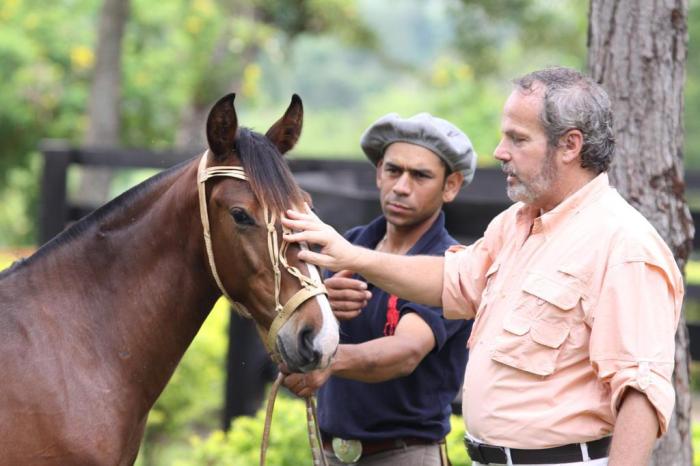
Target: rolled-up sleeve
[[633, 334], [463, 280]]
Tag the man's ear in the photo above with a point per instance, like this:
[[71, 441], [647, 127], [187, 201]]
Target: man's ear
[[570, 145], [453, 183]]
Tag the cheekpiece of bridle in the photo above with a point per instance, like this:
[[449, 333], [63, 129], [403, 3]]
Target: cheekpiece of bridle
[[309, 287]]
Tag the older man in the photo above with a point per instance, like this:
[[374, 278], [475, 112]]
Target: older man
[[575, 296], [386, 398]]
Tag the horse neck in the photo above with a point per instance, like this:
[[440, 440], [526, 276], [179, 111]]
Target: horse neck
[[139, 279]]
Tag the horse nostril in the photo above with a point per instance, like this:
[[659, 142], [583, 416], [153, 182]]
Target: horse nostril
[[306, 346]]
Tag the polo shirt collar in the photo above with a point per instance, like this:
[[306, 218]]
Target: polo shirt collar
[[376, 230]]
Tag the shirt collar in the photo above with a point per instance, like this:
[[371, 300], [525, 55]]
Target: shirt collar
[[572, 205], [376, 230]]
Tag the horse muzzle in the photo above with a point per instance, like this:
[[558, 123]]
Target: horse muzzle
[[305, 347]]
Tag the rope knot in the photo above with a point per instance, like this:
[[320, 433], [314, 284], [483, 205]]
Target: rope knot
[[271, 227]]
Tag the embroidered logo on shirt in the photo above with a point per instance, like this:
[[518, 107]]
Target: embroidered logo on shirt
[[392, 316]]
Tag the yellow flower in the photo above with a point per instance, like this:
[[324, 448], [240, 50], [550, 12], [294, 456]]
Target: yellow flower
[[8, 8], [441, 76], [251, 79], [82, 57], [193, 24]]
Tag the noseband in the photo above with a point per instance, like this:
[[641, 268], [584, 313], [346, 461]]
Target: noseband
[[309, 286]]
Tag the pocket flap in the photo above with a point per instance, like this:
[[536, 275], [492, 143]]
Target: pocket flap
[[548, 334], [516, 323], [552, 291]]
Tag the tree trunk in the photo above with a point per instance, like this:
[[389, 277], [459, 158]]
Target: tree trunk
[[223, 74], [637, 51], [190, 133], [105, 94]]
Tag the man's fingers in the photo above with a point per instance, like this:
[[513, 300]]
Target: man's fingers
[[309, 236], [344, 274], [342, 283], [346, 294], [301, 225], [297, 383], [315, 258], [344, 305], [295, 214]]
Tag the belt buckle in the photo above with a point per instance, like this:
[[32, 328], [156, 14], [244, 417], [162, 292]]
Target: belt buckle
[[347, 451]]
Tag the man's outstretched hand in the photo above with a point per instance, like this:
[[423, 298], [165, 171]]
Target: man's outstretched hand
[[336, 252]]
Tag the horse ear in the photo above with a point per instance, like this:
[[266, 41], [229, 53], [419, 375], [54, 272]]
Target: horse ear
[[286, 131], [222, 124]]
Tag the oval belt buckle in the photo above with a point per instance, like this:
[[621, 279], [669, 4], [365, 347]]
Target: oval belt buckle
[[347, 451]]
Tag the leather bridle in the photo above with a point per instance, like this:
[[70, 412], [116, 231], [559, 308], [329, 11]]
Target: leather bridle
[[310, 287]]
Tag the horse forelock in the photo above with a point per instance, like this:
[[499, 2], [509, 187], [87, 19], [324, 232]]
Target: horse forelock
[[269, 176]]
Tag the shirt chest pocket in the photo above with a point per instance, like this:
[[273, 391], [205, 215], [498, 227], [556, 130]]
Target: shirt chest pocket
[[535, 330]]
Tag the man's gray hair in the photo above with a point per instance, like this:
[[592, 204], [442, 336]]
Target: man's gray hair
[[574, 101]]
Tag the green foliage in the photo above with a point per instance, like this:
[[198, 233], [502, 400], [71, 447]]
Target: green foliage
[[455, 443], [19, 202], [193, 398], [350, 60], [692, 89], [289, 444], [696, 443], [504, 38], [174, 54]]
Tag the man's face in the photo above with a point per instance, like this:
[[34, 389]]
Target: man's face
[[523, 151], [412, 184]]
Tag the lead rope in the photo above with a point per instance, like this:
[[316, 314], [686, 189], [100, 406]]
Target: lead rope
[[314, 434]]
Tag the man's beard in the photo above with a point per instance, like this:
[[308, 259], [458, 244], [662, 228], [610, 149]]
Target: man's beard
[[529, 191]]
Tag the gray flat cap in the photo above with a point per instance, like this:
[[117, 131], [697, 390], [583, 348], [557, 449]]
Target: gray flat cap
[[435, 134]]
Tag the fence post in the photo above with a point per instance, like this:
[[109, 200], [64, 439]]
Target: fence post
[[53, 213]]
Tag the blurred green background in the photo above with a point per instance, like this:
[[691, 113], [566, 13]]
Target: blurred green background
[[351, 61]]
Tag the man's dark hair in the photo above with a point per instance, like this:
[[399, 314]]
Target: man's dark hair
[[574, 101]]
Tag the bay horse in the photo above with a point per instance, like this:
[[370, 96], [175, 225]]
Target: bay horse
[[94, 323]]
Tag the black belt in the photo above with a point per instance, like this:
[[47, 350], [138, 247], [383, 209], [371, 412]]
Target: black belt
[[571, 453]]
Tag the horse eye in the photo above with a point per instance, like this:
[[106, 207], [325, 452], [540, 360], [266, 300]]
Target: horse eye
[[241, 217]]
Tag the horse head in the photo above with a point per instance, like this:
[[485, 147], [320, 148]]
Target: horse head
[[248, 189]]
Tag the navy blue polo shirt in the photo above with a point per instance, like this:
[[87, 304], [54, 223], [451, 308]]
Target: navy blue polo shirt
[[417, 405]]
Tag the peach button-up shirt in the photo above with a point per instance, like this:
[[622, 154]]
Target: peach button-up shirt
[[571, 308]]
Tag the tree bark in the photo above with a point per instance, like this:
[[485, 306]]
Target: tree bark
[[637, 50], [104, 113], [224, 73]]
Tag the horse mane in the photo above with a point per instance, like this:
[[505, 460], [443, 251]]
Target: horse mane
[[267, 171], [96, 217]]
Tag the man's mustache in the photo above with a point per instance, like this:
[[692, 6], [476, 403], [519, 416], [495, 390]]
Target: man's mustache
[[508, 170]]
